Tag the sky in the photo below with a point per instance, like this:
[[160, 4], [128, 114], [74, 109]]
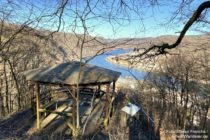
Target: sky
[[154, 22], [144, 20]]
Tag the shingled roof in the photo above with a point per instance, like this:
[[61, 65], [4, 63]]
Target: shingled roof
[[67, 73]]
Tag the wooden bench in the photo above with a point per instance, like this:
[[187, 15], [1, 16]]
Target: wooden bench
[[46, 99], [91, 92]]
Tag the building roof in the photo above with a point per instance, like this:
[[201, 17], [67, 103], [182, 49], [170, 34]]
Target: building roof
[[67, 73]]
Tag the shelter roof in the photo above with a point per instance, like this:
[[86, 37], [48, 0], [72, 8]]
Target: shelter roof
[[67, 73]]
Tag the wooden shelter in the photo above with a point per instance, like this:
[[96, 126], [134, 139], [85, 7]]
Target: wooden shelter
[[68, 75]]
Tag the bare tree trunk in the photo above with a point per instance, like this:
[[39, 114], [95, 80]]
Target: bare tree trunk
[[10, 98], [16, 84], [2, 111], [6, 88], [184, 113], [205, 116]]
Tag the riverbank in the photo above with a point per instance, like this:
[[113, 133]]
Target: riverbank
[[128, 82], [126, 60]]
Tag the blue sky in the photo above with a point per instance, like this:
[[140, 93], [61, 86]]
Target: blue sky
[[154, 22], [149, 22]]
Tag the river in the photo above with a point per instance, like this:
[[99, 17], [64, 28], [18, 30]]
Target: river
[[125, 72]]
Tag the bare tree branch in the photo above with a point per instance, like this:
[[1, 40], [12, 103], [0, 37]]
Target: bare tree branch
[[161, 49]]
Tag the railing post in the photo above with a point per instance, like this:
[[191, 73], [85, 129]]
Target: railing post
[[38, 114]]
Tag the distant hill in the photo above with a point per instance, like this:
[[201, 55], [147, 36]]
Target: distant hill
[[52, 48], [192, 46], [62, 47], [189, 42]]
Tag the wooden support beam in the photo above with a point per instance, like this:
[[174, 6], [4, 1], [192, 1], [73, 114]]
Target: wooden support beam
[[99, 87], [113, 88], [113, 96], [53, 115], [74, 108], [38, 113], [106, 108]]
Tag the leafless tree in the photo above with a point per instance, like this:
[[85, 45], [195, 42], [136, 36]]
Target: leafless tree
[[18, 51]]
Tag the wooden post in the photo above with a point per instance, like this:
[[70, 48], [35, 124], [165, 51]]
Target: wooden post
[[99, 87], [113, 88], [38, 114], [106, 119], [74, 108], [113, 96]]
